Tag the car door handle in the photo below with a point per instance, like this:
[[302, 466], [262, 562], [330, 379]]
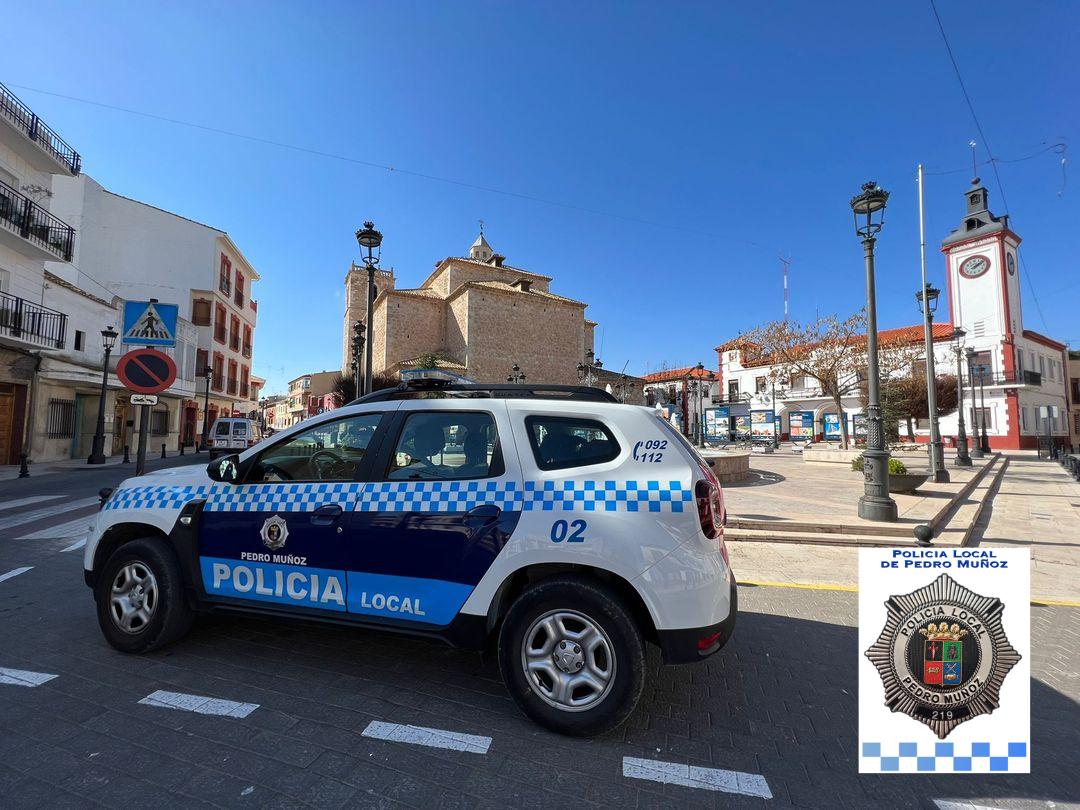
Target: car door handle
[[326, 514], [483, 515]]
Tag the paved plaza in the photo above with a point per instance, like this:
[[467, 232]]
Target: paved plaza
[[253, 712], [1036, 504]]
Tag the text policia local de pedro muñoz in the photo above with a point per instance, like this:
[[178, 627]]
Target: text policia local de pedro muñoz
[[944, 558]]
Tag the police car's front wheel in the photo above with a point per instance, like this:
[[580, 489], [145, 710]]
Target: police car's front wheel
[[572, 657], [140, 597]]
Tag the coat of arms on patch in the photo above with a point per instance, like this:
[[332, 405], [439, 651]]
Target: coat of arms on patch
[[274, 532], [943, 654]]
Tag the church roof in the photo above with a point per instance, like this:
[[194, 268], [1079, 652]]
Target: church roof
[[481, 242], [507, 287]]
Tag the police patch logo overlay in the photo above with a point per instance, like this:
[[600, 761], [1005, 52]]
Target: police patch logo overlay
[[274, 532], [943, 654]]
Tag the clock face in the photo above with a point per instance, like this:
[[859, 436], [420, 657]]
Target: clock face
[[1010, 262], [974, 266]]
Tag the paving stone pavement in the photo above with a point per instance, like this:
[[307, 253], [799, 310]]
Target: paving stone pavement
[[776, 702]]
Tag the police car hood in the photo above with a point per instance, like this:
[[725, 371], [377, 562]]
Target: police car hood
[[174, 476]]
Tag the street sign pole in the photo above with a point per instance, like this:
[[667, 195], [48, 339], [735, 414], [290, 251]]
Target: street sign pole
[[144, 418]]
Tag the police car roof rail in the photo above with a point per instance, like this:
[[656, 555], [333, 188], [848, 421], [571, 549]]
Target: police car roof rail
[[420, 389]]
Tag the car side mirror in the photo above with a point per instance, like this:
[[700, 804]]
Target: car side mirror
[[225, 469]]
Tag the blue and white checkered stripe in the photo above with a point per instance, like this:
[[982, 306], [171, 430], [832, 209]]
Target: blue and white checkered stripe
[[438, 496], [607, 496], [417, 496], [946, 757], [155, 497], [281, 497]]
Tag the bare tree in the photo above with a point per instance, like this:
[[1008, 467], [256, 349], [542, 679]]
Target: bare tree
[[829, 350]]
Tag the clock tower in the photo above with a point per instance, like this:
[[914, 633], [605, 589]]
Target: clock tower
[[984, 284]]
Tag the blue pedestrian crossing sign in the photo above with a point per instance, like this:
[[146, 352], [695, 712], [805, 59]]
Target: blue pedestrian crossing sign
[[149, 323]]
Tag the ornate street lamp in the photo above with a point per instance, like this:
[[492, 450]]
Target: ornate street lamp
[[868, 208], [962, 457], [516, 375], [370, 241], [928, 301], [357, 350], [976, 444], [587, 371], [208, 372], [97, 449]]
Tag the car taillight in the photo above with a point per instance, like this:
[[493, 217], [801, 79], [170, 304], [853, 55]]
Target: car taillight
[[710, 508]]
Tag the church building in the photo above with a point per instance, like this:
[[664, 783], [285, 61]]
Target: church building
[[478, 315]]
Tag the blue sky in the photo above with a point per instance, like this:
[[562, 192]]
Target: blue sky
[[707, 138]]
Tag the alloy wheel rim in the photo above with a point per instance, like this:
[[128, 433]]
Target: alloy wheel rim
[[568, 660], [133, 597]]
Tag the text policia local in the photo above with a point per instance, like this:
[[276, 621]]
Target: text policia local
[[944, 558]]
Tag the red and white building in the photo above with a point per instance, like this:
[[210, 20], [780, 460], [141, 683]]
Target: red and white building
[[1025, 388]]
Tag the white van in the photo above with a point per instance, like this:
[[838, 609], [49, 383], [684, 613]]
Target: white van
[[233, 434]]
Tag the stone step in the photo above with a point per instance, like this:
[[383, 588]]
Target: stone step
[[815, 538], [792, 526]]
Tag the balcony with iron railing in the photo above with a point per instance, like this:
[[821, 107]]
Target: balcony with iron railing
[[234, 342], [44, 149], [32, 323], [246, 350], [231, 389], [27, 227], [1004, 379]]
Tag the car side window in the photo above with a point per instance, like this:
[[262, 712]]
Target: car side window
[[446, 445], [331, 451], [561, 442]]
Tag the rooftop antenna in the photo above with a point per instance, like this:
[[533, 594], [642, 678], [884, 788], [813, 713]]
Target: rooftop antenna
[[786, 263], [974, 165]]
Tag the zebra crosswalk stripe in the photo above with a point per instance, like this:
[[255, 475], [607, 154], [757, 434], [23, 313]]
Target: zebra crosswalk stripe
[[15, 504], [23, 518], [73, 528]]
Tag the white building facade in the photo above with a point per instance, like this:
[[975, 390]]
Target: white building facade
[[35, 328], [1020, 378], [133, 251]]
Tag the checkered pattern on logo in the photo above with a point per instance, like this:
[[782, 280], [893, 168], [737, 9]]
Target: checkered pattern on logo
[[983, 757], [281, 497], [155, 497], [416, 496], [438, 496], [606, 496]]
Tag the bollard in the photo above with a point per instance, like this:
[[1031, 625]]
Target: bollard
[[181, 448], [24, 470], [163, 451], [198, 448], [127, 457], [923, 535]]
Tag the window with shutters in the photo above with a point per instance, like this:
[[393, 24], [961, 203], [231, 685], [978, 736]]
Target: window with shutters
[[200, 312]]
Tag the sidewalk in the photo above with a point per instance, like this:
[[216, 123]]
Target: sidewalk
[[10, 472], [1037, 505]]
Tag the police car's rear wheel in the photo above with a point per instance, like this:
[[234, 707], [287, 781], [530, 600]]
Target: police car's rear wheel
[[577, 670], [140, 599]]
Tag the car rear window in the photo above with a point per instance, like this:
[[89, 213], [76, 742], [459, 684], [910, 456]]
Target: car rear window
[[222, 428], [561, 442], [240, 429]]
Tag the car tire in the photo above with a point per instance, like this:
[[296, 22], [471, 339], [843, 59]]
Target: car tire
[[140, 598], [556, 613]]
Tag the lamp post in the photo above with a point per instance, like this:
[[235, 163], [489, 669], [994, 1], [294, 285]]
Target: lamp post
[[976, 444], [868, 208], [928, 301], [357, 350], [516, 375], [984, 442], [962, 457], [775, 418], [208, 372], [586, 371], [97, 449], [370, 240]]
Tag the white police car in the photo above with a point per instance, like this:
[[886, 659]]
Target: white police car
[[568, 527]]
